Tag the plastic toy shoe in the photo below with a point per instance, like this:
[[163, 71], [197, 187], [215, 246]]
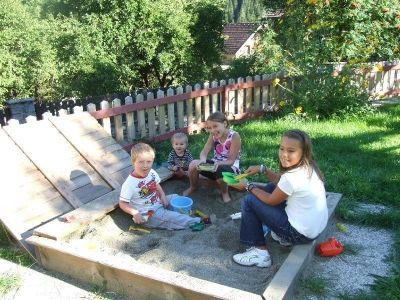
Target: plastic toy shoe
[[197, 226], [330, 248]]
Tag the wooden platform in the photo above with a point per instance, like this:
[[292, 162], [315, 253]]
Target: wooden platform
[[55, 166]]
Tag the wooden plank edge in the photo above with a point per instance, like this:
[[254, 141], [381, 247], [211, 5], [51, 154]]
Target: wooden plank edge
[[58, 229], [126, 276], [282, 284]]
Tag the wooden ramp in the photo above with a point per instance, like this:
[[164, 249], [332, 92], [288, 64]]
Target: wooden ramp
[[54, 167], [28, 199], [59, 161], [96, 145]]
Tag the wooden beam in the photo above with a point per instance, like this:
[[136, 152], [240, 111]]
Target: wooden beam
[[66, 224], [126, 276]]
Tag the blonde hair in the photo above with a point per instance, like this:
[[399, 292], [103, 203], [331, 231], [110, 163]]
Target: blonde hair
[[141, 148], [179, 136]]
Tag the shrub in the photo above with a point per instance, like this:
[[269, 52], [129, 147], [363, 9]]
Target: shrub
[[327, 94]]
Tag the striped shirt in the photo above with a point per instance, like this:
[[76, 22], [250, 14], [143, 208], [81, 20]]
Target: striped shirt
[[180, 161]]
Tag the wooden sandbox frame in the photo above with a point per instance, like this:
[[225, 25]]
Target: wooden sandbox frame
[[139, 281], [95, 166]]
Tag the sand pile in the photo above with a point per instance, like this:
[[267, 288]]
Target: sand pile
[[206, 254]]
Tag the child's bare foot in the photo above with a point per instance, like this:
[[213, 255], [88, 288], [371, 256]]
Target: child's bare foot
[[226, 198], [188, 191]]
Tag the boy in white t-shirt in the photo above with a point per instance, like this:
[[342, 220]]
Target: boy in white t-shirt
[[143, 197]]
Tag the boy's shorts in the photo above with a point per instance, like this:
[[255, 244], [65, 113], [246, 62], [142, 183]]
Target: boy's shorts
[[218, 173]]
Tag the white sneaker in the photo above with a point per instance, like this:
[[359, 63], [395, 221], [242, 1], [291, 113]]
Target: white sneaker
[[253, 256], [277, 238]]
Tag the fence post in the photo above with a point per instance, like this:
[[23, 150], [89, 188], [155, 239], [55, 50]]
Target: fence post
[[240, 97], [206, 101], [141, 118], [231, 99], [106, 121], [171, 111], [197, 104], [130, 121], [224, 97], [119, 130], [189, 106], [179, 106], [151, 116], [214, 98], [249, 95], [257, 94], [91, 107], [161, 112], [265, 92]]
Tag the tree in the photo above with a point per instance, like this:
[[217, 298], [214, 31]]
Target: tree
[[140, 43], [27, 61], [320, 31]]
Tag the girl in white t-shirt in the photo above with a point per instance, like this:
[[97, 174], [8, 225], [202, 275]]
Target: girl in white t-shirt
[[293, 205]]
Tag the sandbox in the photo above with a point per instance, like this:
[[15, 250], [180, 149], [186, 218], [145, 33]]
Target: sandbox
[[166, 264]]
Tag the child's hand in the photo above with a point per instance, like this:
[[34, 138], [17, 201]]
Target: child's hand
[[241, 185], [252, 170], [137, 218], [165, 202], [175, 168]]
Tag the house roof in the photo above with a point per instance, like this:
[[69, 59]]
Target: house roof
[[237, 34]]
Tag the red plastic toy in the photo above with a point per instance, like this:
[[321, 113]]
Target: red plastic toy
[[330, 248]]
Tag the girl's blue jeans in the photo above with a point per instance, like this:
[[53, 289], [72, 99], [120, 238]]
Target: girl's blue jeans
[[255, 213]]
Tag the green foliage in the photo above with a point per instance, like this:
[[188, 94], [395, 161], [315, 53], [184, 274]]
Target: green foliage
[[61, 48], [323, 95], [317, 31], [237, 11], [27, 61]]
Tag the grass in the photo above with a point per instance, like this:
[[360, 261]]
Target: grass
[[314, 285], [10, 252], [8, 282], [359, 156]]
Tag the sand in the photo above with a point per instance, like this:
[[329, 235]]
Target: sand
[[205, 254]]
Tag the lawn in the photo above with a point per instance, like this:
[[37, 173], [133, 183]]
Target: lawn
[[359, 156]]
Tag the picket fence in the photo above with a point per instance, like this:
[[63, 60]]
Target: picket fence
[[157, 116]]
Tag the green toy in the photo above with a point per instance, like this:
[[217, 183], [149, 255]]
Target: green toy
[[197, 226], [231, 178]]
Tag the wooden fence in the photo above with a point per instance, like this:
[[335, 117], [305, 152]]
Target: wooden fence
[[157, 116]]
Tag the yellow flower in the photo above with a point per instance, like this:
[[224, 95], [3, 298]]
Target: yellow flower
[[298, 110], [282, 103], [379, 67], [275, 82], [344, 78]]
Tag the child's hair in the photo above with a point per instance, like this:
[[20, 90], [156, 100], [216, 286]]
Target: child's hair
[[179, 136], [308, 156], [218, 117], [141, 148]]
